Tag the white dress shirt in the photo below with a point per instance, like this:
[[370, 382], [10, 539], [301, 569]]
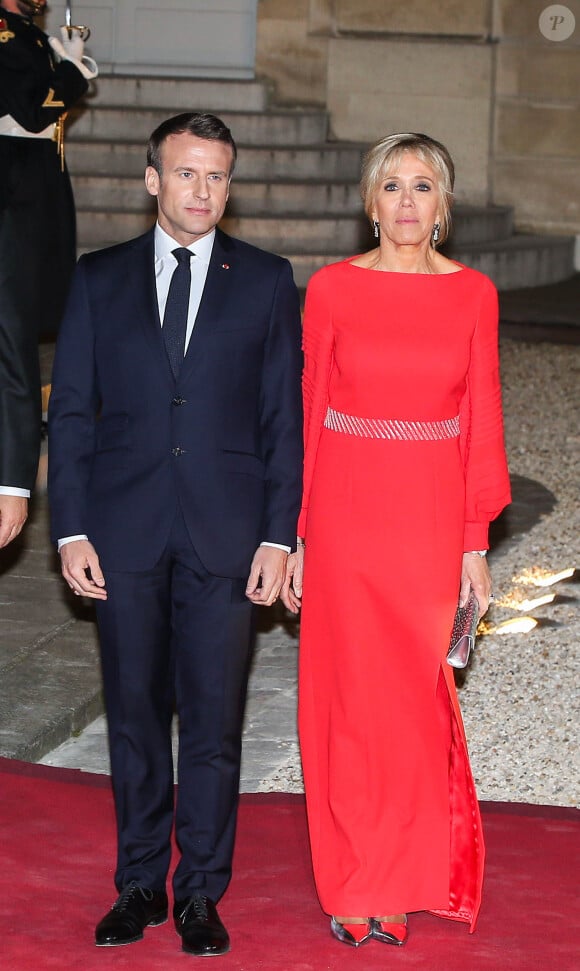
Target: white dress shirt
[[165, 264]]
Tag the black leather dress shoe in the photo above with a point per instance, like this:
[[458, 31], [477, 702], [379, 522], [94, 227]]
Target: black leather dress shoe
[[135, 909], [198, 923]]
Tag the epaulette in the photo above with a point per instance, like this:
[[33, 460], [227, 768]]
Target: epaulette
[[5, 33]]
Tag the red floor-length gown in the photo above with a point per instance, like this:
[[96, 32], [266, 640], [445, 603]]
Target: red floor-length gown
[[393, 816]]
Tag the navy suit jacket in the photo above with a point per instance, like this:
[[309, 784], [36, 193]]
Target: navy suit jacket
[[127, 442]]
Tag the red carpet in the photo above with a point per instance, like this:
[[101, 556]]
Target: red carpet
[[56, 882]]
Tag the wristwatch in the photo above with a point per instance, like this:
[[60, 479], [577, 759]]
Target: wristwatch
[[478, 552]]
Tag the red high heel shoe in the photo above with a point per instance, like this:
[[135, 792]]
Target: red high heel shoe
[[353, 934], [388, 932]]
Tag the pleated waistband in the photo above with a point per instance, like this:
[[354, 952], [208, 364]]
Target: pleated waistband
[[392, 428]]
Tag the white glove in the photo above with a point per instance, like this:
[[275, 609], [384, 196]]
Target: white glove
[[73, 45], [86, 66]]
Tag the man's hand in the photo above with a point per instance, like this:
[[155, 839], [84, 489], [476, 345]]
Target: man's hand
[[291, 593], [13, 514], [269, 566], [475, 576], [81, 569]]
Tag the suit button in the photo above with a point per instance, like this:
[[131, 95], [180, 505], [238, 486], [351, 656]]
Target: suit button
[[178, 400], [178, 451]]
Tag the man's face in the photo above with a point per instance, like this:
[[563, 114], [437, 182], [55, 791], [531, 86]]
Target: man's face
[[26, 8], [193, 187]]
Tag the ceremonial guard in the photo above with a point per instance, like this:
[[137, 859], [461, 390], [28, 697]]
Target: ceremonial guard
[[40, 78]]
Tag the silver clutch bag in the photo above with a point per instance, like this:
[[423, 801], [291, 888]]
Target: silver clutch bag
[[463, 633]]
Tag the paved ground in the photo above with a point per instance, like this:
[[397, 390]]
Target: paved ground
[[519, 694]]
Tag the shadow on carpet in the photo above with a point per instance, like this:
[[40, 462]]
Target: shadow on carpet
[[56, 883]]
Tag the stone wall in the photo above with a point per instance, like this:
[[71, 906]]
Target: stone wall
[[536, 149], [477, 74], [290, 52], [444, 89]]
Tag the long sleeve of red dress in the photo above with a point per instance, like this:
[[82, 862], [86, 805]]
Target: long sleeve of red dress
[[487, 488]]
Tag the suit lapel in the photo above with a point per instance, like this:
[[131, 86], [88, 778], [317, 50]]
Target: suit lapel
[[143, 292], [143, 297], [215, 294]]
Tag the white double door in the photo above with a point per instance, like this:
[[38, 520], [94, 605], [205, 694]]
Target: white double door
[[197, 38]]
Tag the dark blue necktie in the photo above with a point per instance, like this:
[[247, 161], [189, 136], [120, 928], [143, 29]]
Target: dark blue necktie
[[176, 309]]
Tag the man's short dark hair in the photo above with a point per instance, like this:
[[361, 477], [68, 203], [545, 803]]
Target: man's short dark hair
[[200, 123]]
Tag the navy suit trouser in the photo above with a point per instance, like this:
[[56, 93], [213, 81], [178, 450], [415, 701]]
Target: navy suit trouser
[[175, 637]]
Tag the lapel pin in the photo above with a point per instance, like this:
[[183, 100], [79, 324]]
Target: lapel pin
[[225, 266]]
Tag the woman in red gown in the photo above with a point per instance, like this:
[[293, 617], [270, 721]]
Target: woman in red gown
[[404, 469]]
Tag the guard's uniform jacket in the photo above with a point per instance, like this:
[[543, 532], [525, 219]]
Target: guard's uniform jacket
[[35, 88], [37, 229]]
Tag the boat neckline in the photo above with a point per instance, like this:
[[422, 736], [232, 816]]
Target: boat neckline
[[461, 266]]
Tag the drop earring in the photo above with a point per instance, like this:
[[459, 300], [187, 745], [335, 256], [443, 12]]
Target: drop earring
[[377, 228], [436, 232]]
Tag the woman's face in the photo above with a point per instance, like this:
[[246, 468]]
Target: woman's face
[[407, 202]]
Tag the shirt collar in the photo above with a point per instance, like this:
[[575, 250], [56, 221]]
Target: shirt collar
[[165, 244]]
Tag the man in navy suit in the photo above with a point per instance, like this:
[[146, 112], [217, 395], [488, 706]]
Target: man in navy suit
[[175, 477]]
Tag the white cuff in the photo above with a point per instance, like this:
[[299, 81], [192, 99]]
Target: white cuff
[[14, 491], [277, 546], [69, 539], [87, 66]]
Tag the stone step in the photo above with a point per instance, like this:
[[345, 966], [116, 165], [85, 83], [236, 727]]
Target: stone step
[[247, 197], [305, 199], [276, 233], [182, 94], [480, 224], [328, 160], [325, 219], [290, 127], [97, 228], [294, 192], [521, 261]]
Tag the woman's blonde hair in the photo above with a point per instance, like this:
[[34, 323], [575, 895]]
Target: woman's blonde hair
[[384, 158]]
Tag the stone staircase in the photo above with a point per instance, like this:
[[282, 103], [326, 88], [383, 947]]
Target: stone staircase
[[295, 192]]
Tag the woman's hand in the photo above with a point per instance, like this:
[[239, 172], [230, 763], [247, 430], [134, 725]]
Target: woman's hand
[[475, 576], [291, 592]]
